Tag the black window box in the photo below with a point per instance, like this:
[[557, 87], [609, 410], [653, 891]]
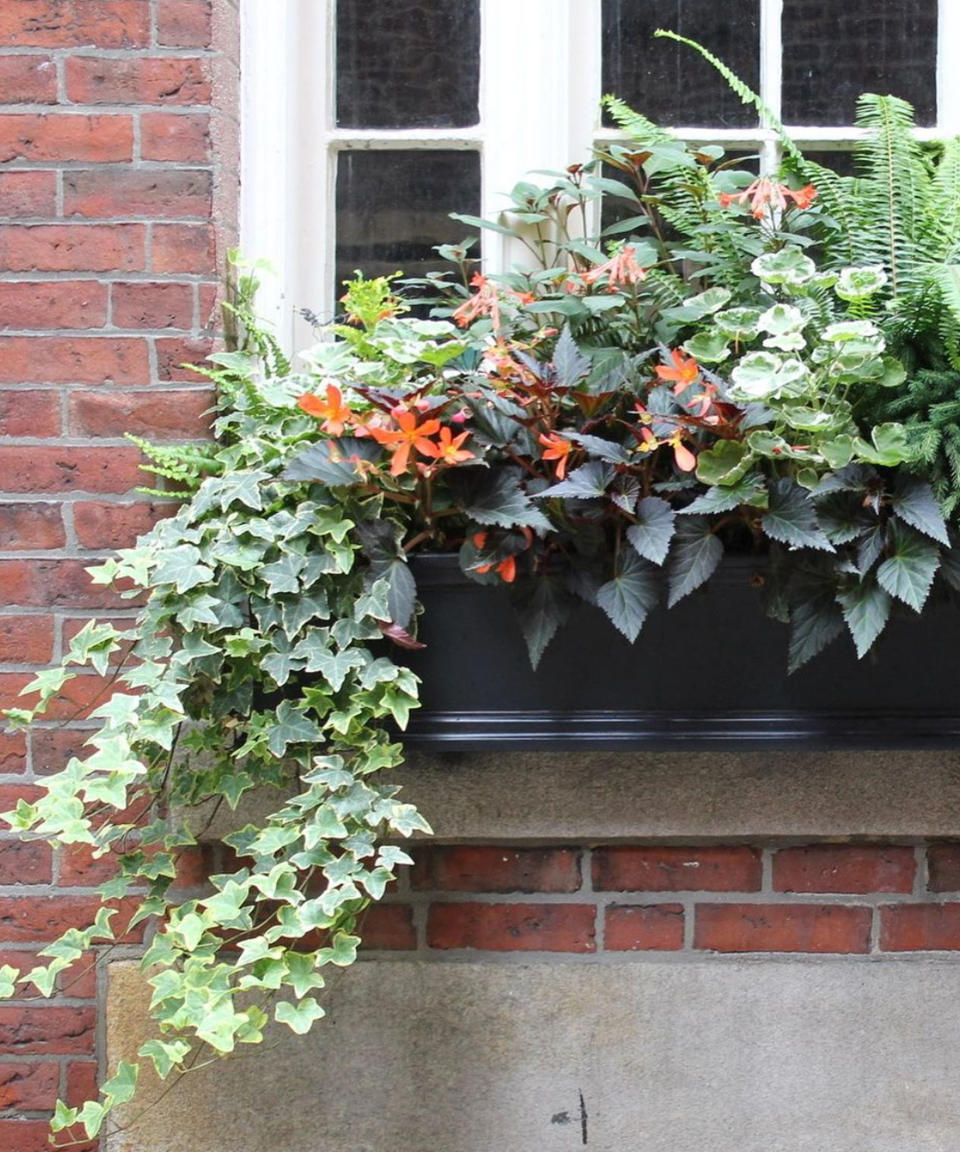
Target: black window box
[[709, 673]]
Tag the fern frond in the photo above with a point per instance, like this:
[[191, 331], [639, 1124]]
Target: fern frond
[[945, 201], [746, 94]]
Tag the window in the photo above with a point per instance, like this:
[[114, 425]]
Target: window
[[367, 121]]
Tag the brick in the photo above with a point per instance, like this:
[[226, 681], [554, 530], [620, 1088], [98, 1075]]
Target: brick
[[13, 753], [29, 1087], [68, 359], [195, 866], [25, 413], [920, 927], [62, 137], [54, 583], [28, 193], [163, 305], [11, 793], [137, 192], [69, 469], [116, 525], [73, 247], [47, 1031], [80, 980], [174, 357], [388, 927], [31, 526], [175, 138], [844, 868], [513, 927], [25, 862], [643, 928], [732, 868], [782, 928], [26, 919], [184, 23], [26, 639], [27, 80], [183, 248], [68, 23], [943, 867], [79, 868], [475, 868], [81, 1082], [53, 304], [34, 1135], [113, 80], [157, 415], [209, 306], [53, 747]]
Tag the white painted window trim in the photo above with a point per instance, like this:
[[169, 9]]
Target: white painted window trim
[[540, 84]]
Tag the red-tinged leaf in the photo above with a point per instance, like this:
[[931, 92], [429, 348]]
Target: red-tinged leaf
[[400, 636]]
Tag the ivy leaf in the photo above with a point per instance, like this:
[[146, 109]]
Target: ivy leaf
[[542, 606], [587, 482], [908, 571], [299, 1017], [630, 596], [165, 1054], [652, 535], [694, 559], [866, 609], [792, 518], [182, 567], [568, 361], [292, 727], [283, 575], [914, 502], [242, 488]]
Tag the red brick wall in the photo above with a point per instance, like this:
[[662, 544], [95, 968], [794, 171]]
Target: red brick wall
[[852, 899], [118, 195]]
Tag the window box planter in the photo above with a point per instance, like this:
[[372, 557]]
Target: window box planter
[[709, 673]]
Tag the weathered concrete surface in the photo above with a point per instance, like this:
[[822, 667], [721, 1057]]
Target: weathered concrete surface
[[708, 1056], [550, 796]]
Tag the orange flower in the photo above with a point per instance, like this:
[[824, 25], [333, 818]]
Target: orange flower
[[683, 457], [484, 302], [684, 371], [408, 436], [619, 270], [556, 449], [506, 569], [766, 194], [333, 412], [448, 450]]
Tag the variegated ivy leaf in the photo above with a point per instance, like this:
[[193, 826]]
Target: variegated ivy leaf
[[696, 307], [858, 283], [708, 347], [738, 323], [789, 267]]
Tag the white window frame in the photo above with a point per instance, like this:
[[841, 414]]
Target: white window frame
[[540, 85]]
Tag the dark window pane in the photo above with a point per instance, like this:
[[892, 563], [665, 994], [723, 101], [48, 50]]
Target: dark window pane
[[834, 51], [669, 82], [839, 162], [408, 63], [392, 208]]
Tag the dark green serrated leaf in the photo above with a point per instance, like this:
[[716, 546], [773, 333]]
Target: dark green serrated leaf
[[630, 596], [914, 502], [750, 490], [331, 462], [602, 449], [694, 558], [866, 609], [908, 571], [569, 362], [815, 616], [792, 518], [843, 517], [497, 498], [651, 536], [587, 482], [542, 606], [870, 549]]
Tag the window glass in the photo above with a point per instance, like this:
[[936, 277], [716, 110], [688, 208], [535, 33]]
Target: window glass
[[834, 51], [669, 82], [408, 63], [393, 206]]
